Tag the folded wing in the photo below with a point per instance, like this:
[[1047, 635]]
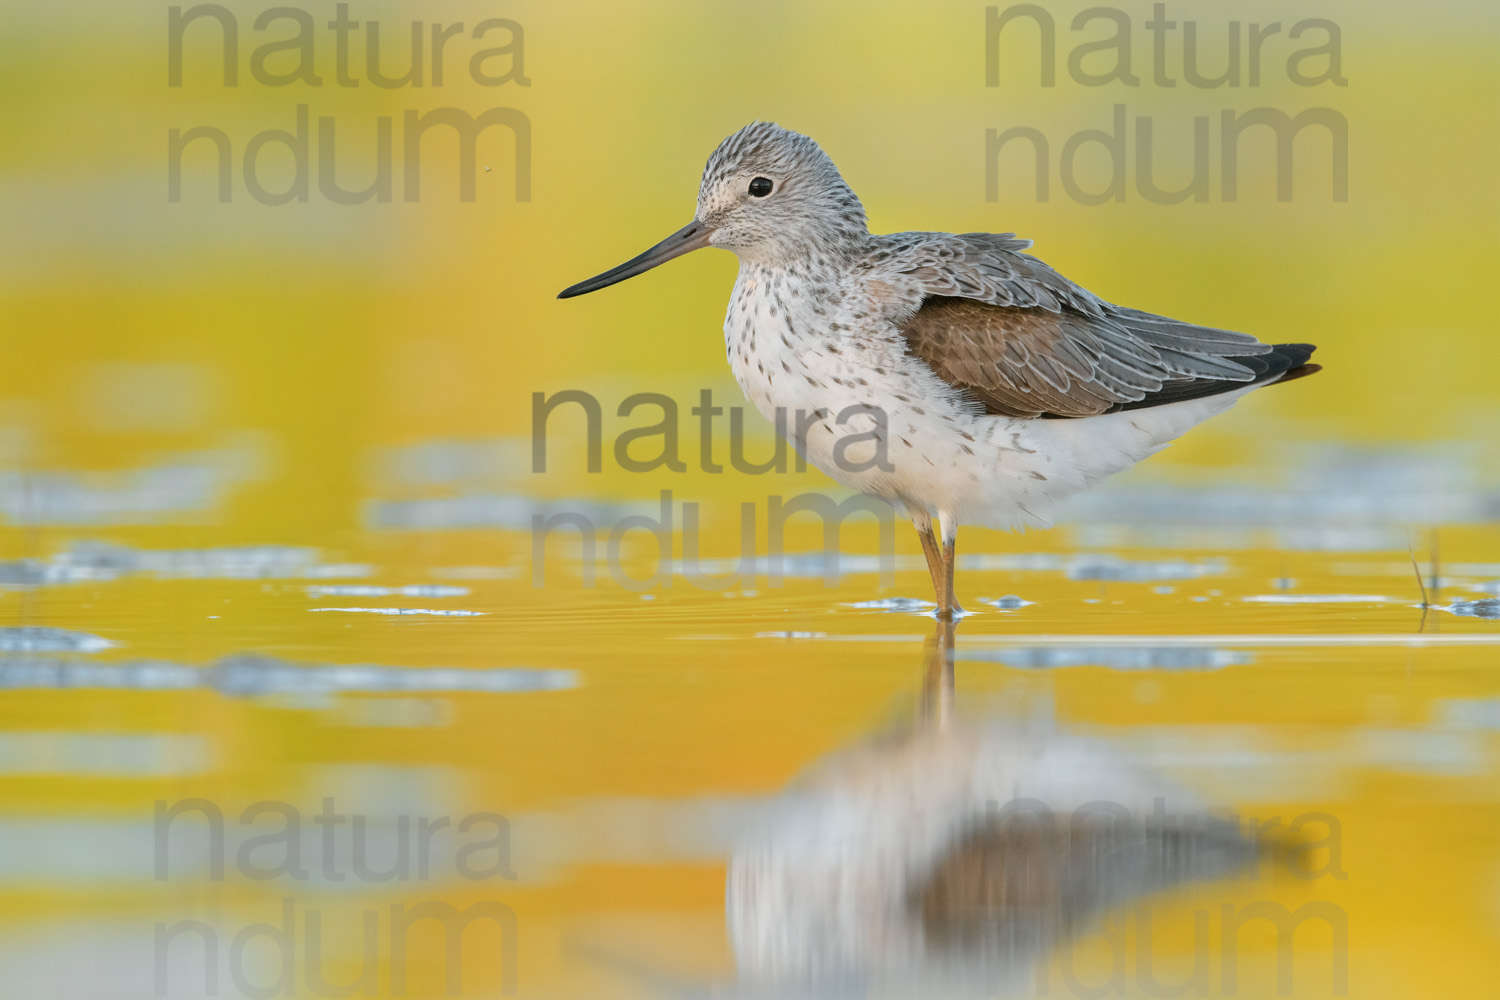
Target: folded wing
[[1024, 341]]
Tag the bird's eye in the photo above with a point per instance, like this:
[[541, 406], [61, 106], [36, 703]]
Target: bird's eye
[[760, 187]]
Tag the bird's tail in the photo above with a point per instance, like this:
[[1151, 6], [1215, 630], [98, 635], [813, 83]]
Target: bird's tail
[[1281, 363]]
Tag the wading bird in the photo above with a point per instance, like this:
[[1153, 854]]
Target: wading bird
[[954, 376]]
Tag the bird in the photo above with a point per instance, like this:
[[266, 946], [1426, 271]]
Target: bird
[[955, 376]]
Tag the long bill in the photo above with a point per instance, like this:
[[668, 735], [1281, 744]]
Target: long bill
[[690, 237]]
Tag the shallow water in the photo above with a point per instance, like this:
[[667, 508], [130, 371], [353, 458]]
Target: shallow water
[[616, 754], [282, 673]]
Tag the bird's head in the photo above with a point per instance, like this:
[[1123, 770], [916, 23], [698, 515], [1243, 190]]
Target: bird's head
[[769, 194]]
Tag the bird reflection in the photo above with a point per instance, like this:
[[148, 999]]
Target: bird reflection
[[955, 855]]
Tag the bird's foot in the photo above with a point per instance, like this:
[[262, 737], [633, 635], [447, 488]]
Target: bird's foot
[[950, 612]]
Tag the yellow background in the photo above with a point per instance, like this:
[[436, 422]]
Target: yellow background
[[291, 351]]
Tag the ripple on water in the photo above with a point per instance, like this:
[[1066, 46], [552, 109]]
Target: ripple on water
[[41, 639], [1113, 569], [247, 675], [1010, 602], [1319, 599], [1488, 607], [1095, 566], [98, 562], [1112, 657], [894, 605], [369, 590]]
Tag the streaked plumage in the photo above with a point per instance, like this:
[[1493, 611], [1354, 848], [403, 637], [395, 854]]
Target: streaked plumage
[[930, 369]]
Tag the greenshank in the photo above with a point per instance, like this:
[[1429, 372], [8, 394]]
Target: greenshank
[[955, 376]]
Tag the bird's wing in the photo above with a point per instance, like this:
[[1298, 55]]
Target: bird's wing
[[1027, 342]]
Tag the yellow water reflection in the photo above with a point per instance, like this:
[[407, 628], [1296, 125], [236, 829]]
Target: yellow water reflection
[[270, 488], [626, 772], [955, 855]]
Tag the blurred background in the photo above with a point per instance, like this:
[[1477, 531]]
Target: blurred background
[[269, 486]]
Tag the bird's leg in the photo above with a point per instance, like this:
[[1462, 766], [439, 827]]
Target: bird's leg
[[948, 608], [923, 524]]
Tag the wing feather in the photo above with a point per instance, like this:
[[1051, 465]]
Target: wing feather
[[1025, 341]]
